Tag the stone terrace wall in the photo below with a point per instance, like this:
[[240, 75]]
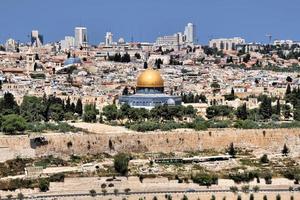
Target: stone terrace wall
[[175, 141]]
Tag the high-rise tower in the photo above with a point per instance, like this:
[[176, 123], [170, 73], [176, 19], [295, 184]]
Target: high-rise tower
[[190, 33], [81, 39]]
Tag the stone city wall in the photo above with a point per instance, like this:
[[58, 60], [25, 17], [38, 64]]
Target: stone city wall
[[269, 140]]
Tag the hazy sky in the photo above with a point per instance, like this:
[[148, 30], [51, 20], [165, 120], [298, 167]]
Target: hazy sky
[[144, 20]]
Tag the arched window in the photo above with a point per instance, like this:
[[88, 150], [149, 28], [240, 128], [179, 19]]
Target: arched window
[[222, 45], [233, 46]]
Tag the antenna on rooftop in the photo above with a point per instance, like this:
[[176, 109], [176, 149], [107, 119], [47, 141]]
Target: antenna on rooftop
[[270, 38], [131, 39]]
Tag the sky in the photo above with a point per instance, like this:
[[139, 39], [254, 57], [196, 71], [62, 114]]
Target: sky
[[145, 20]]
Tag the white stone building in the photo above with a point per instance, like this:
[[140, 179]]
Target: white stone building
[[227, 44]]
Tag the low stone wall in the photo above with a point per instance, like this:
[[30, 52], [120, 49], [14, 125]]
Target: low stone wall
[[269, 140]]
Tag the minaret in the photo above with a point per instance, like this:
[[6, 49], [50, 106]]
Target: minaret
[[30, 60]]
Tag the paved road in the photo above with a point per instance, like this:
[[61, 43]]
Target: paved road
[[51, 196]]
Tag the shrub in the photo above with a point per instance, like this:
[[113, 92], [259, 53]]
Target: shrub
[[245, 188], [13, 124], [245, 124], [234, 189], [243, 177], [256, 188], [205, 179], [264, 159], [116, 192], [170, 125], [20, 196], [93, 192], [60, 177], [268, 177], [145, 126], [43, 185], [121, 161], [218, 124], [127, 190]]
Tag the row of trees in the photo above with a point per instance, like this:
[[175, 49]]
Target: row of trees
[[160, 113], [192, 98], [15, 117], [265, 111], [293, 96], [35, 109], [125, 58]]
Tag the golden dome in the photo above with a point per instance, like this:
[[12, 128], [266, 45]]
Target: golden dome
[[150, 78]]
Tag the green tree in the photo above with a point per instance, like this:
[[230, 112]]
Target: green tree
[[234, 189], [297, 111], [278, 108], [264, 159], [93, 192], [285, 151], [145, 65], [241, 112], [8, 105], [218, 111], [125, 58], [116, 192], [286, 110], [104, 191], [127, 190], [78, 107], [43, 185], [205, 179], [121, 161], [13, 124], [288, 90], [68, 105], [56, 112], [256, 188], [265, 108], [90, 113], [110, 112], [137, 55], [215, 87], [231, 96], [231, 150], [32, 108]]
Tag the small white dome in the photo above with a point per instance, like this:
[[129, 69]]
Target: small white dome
[[121, 41], [171, 102]]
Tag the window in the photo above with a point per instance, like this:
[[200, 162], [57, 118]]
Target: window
[[222, 45]]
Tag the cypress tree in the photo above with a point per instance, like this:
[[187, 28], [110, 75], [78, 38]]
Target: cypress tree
[[232, 92], [265, 109], [288, 90], [68, 105], [241, 112], [297, 111], [278, 108], [78, 107]]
